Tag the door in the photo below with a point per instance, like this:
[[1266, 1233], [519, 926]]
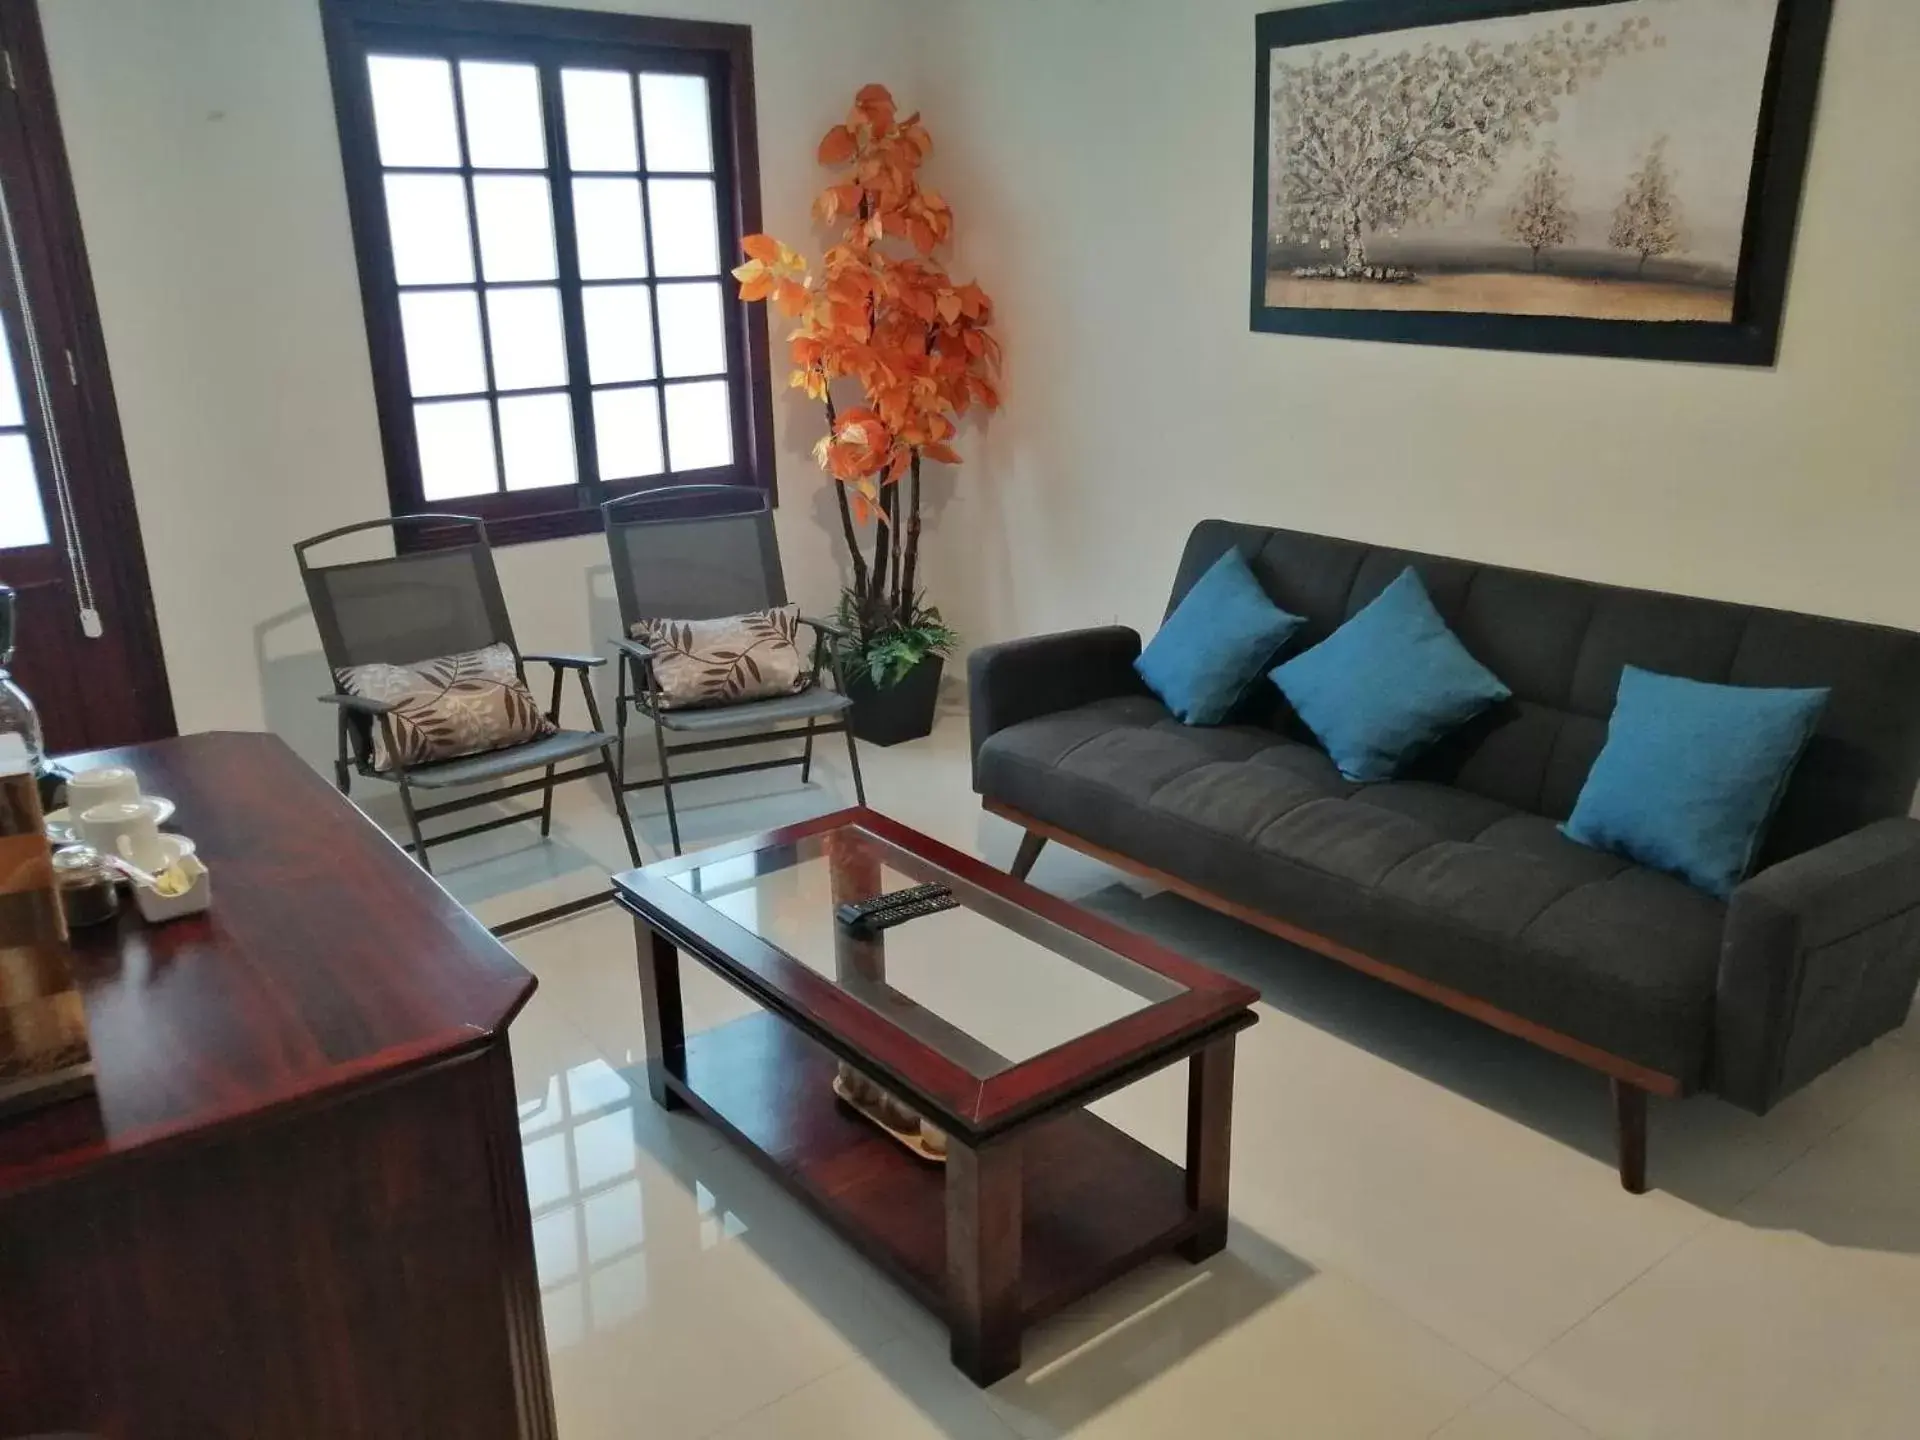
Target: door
[[89, 647]]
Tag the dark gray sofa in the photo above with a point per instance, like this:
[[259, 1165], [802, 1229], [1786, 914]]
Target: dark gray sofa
[[1453, 879]]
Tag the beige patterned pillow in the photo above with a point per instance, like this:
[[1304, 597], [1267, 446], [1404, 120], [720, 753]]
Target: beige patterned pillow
[[727, 661], [457, 705]]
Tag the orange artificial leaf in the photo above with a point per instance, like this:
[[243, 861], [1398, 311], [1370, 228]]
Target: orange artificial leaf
[[763, 248], [943, 453], [950, 307], [755, 287], [837, 146]]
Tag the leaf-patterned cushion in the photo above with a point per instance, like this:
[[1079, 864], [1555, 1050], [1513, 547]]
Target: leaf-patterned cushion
[[728, 661], [456, 705]]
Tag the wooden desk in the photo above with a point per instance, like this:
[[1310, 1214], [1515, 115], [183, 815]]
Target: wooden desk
[[296, 1207]]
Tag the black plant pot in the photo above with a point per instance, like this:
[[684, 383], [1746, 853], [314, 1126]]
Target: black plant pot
[[888, 715]]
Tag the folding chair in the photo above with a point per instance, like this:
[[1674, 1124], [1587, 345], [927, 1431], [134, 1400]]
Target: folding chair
[[701, 552], [406, 608]]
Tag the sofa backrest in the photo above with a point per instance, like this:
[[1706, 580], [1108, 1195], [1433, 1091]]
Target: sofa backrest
[[1560, 645]]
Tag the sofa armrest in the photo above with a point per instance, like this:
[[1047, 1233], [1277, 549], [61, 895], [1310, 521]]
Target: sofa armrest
[[1024, 679], [1821, 957]]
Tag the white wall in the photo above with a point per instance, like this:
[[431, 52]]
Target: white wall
[[1099, 153], [207, 164]]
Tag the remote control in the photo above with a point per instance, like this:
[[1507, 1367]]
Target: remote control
[[858, 912], [912, 910]]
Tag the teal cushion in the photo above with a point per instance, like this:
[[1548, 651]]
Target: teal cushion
[[1691, 774], [1388, 683], [1219, 638]]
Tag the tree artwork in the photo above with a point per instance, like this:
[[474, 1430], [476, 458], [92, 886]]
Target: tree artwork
[[1541, 217], [884, 314], [1367, 143], [1647, 220]]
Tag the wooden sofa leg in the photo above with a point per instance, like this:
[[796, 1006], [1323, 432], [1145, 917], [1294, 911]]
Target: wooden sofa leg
[[1030, 847], [1630, 1135]]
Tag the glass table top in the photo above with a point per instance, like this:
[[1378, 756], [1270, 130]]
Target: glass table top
[[988, 984]]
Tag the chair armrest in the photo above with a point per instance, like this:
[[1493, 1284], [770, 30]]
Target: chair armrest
[[1024, 679], [634, 649], [569, 662], [830, 628], [1821, 957], [359, 703]]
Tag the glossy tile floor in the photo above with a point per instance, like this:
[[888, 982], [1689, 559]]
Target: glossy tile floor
[[1428, 1238]]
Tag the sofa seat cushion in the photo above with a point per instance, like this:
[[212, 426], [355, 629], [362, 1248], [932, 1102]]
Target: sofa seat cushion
[[1456, 888]]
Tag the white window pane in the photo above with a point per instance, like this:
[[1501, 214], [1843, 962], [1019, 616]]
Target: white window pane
[[9, 384], [515, 214], [619, 333], [456, 448], [502, 104], [686, 230], [626, 431], [443, 342], [599, 106], [536, 437], [22, 520], [606, 217], [427, 218], [529, 347], [673, 112], [693, 332], [413, 110], [699, 425]]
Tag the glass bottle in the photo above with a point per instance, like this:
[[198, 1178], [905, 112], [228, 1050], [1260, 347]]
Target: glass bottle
[[17, 715]]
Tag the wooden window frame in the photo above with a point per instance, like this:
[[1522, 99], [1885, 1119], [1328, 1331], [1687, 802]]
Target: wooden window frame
[[551, 38]]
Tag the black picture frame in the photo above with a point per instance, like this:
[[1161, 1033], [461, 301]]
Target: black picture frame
[[1785, 135]]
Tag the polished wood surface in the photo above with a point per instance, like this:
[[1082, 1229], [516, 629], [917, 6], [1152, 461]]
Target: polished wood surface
[[327, 961], [955, 1097], [1651, 1081], [298, 1208]]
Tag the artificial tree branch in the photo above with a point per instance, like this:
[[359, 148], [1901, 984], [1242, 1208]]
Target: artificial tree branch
[[846, 512], [907, 590]]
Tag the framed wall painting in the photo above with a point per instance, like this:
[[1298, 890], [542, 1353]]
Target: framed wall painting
[[1594, 177]]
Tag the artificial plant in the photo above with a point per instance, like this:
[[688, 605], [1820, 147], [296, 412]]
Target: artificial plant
[[884, 315]]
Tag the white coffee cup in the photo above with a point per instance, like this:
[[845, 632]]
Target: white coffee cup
[[130, 830], [102, 785]]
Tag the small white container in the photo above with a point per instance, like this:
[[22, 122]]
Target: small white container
[[155, 907]]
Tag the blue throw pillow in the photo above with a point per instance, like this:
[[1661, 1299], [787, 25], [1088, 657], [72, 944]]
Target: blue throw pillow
[[1388, 683], [1219, 638], [1691, 774]]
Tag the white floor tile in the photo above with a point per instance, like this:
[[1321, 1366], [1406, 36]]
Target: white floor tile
[[1509, 1413], [1429, 1238]]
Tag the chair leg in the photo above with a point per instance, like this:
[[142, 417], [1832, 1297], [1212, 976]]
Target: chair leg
[[613, 776], [1030, 847], [666, 782], [1630, 1135], [620, 707], [546, 794], [342, 772], [413, 824], [853, 759], [806, 756]]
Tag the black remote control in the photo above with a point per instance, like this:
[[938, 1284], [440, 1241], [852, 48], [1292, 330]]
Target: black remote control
[[912, 910], [869, 916]]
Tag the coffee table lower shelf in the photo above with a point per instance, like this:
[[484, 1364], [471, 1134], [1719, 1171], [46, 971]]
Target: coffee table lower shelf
[[1095, 1202]]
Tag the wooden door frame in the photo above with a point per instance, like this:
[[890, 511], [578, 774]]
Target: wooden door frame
[[68, 318]]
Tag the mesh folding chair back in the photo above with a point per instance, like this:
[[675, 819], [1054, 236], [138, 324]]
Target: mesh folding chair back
[[404, 608], [701, 552], [693, 552]]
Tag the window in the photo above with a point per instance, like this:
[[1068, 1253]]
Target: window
[[545, 206]]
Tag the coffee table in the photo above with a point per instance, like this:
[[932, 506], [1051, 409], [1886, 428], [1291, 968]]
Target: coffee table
[[998, 1021]]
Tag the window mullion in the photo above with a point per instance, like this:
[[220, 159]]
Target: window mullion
[[479, 276], [653, 277], [586, 442]]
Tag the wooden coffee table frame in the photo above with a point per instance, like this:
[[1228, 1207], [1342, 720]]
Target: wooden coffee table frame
[[1040, 1202]]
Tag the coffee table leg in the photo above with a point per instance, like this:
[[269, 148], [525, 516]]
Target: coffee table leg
[[660, 1002], [1209, 1144], [983, 1259]]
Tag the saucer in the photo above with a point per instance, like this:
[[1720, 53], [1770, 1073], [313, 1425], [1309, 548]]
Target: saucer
[[63, 829]]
